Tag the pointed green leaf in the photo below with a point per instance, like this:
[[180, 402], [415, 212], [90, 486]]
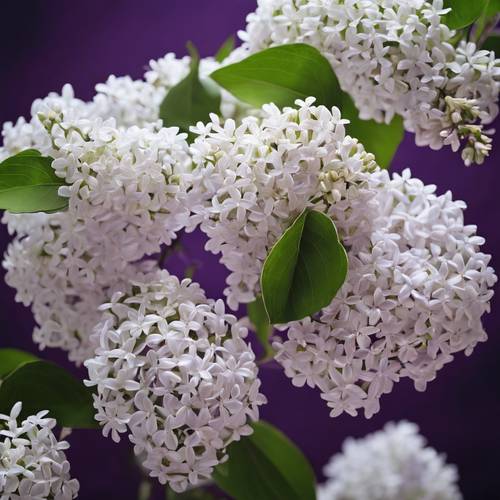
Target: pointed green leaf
[[191, 100], [10, 359], [28, 183], [258, 316], [304, 270], [380, 139], [41, 385], [281, 75], [226, 48], [266, 466], [463, 12]]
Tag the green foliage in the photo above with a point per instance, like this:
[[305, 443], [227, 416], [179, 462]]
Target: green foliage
[[486, 22], [463, 12], [378, 138], [304, 270], [258, 316], [190, 101], [226, 48], [296, 71], [492, 7], [10, 359], [492, 43], [281, 75], [41, 385], [266, 466], [28, 183]]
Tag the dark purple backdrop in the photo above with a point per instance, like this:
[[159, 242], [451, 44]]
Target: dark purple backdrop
[[46, 44]]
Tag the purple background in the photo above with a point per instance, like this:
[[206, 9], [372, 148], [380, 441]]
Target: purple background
[[46, 44]]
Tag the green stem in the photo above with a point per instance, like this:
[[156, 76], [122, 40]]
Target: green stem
[[459, 36], [266, 359], [166, 252], [190, 270], [145, 490], [482, 35]]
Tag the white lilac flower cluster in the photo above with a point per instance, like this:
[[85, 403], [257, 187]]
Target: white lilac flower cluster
[[65, 307], [394, 57], [391, 464], [32, 461], [414, 296], [124, 188], [417, 284], [174, 371], [65, 265], [171, 368], [253, 179]]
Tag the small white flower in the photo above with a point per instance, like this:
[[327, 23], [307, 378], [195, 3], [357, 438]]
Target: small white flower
[[32, 461], [391, 464], [173, 370]]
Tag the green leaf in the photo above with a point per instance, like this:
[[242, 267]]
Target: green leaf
[[492, 8], [304, 269], [145, 490], [190, 101], [492, 43], [266, 466], [28, 183], [463, 12], [10, 359], [226, 48], [281, 75], [41, 385], [486, 21], [258, 316], [378, 138]]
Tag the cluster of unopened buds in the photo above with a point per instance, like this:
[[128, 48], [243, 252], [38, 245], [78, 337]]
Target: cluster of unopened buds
[[459, 121]]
